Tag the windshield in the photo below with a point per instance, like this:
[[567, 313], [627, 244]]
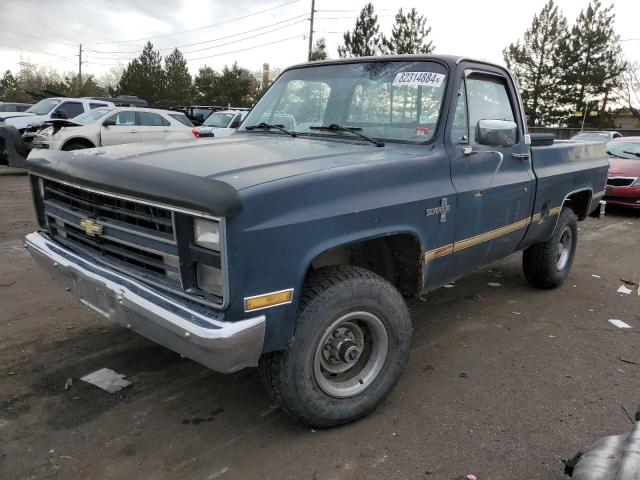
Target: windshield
[[220, 120], [44, 106], [395, 101], [91, 116], [630, 150]]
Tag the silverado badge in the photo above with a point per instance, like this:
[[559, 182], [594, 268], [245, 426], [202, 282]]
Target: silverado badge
[[90, 227], [442, 210]]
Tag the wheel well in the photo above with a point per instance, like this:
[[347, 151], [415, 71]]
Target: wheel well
[[395, 258], [580, 203], [81, 141]]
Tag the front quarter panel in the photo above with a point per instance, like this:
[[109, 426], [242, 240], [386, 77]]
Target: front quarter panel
[[287, 223]]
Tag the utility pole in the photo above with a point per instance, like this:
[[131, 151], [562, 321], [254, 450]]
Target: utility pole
[[313, 4], [79, 69]]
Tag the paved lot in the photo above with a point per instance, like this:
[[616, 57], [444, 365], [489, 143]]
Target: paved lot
[[502, 382]]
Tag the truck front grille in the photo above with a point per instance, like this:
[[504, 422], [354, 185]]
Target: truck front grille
[[620, 181], [129, 235]]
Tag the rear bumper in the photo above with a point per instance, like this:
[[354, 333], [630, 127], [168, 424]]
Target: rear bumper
[[223, 346]]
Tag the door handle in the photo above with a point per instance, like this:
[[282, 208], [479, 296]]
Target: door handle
[[133, 131], [520, 156]]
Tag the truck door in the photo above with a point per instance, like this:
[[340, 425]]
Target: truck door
[[494, 184]]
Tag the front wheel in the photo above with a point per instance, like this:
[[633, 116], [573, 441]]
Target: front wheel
[[547, 264], [350, 347]]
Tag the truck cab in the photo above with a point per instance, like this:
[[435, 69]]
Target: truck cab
[[292, 244]]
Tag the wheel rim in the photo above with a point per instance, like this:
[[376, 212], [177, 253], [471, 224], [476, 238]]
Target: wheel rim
[[564, 249], [350, 354]]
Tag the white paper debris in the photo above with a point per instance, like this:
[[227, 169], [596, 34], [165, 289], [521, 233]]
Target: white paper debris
[[619, 323], [449, 285], [596, 276], [494, 284], [624, 290], [107, 379]]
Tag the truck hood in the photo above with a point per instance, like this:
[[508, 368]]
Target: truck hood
[[7, 115], [22, 121], [206, 175]]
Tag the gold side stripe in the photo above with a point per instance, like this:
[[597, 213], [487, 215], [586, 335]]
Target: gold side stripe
[[485, 237]]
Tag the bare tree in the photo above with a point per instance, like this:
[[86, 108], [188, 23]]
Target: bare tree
[[627, 89]]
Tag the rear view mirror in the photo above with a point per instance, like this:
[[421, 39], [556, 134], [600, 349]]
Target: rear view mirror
[[496, 133], [109, 122]]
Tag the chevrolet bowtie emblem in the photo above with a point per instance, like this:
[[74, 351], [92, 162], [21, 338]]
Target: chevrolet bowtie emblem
[[90, 227]]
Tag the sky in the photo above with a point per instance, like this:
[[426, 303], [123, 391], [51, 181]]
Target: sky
[[252, 32]]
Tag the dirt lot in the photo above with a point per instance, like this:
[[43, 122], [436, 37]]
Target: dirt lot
[[503, 382]]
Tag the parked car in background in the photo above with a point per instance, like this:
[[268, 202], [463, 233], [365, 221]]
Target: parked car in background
[[51, 109], [600, 136], [6, 107], [222, 124], [623, 184], [114, 126]]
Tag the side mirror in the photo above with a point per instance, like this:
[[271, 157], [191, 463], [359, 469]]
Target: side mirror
[[109, 122], [496, 133], [60, 113]]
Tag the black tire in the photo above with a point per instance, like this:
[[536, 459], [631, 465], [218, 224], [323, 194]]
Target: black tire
[[74, 146], [542, 263], [329, 295]]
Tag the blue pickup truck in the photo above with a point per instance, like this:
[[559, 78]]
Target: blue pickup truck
[[292, 244]]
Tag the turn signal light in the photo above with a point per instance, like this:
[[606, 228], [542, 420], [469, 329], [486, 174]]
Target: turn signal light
[[268, 300]]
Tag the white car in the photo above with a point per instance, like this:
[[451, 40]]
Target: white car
[[222, 123], [51, 109], [104, 126]]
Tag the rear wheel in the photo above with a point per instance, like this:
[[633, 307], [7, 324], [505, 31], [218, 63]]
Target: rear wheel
[[350, 348], [547, 264]]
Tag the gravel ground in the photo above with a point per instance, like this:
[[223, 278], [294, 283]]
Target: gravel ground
[[503, 382]]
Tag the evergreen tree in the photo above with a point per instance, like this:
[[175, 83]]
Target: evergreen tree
[[592, 63], [178, 87], [205, 84], [365, 39], [144, 76], [319, 51], [409, 34], [537, 64], [234, 86], [9, 88]]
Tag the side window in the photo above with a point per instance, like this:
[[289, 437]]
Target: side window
[[488, 100], [71, 109], [236, 122], [148, 119], [127, 119], [97, 105], [460, 126]]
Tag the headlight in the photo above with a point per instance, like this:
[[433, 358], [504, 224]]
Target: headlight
[[636, 183], [209, 279], [206, 234], [46, 132], [3, 123]]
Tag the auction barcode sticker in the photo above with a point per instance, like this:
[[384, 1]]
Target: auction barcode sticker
[[427, 79]]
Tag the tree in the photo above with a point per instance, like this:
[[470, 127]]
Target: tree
[[537, 64], [627, 89], [409, 34], [592, 62], [178, 86], [9, 88], [319, 51], [234, 86], [205, 83], [365, 39], [144, 76]]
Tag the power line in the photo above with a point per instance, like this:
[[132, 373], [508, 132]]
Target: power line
[[298, 17], [31, 50], [37, 37], [199, 28], [248, 48]]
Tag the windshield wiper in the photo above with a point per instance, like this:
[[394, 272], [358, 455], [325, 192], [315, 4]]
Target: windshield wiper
[[631, 153], [614, 155], [268, 126], [355, 130]]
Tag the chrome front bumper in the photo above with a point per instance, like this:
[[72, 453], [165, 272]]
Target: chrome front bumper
[[220, 345]]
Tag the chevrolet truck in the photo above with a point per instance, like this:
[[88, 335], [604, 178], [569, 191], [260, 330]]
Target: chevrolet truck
[[293, 247]]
